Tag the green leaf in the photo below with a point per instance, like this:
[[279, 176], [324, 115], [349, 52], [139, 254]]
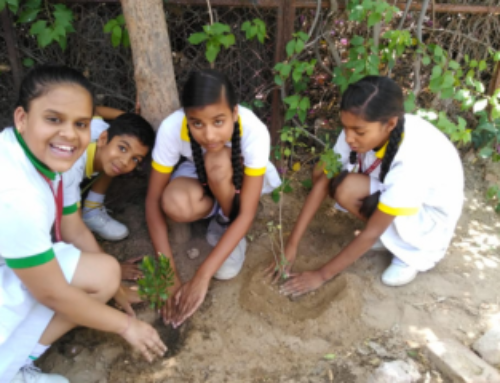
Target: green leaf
[[305, 104], [278, 80], [227, 40], [307, 184], [329, 356], [58, 32], [486, 152], [28, 62], [292, 100], [28, 16], [426, 60], [13, 5], [219, 28], [275, 195], [373, 19], [116, 36], [448, 80], [302, 115], [473, 64], [285, 70], [38, 27], [290, 113], [62, 15], [480, 105], [303, 36], [436, 72], [357, 40], [492, 192], [479, 86], [126, 39], [454, 65], [496, 57], [245, 26], [290, 47], [121, 20], [299, 46], [2, 5], [438, 51], [197, 38], [447, 93], [212, 52], [63, 42], [482, 65], [297, 75], [44, 38], [110, 25]]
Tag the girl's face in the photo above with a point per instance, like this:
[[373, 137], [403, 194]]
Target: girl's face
[[212, 126], [57, 126], [363, 136]]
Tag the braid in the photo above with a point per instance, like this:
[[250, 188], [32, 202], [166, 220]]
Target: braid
[[200, 164], [392, 147], [237, 170]]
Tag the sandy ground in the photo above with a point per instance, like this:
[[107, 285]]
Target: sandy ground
[[246, 332]]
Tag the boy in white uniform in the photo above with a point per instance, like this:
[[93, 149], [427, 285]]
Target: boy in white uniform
[[401, 175]]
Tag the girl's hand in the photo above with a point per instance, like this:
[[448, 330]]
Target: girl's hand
[[276, 271], [144, 338], [302, 283], [124, 298], [189, 297], [168, 311]]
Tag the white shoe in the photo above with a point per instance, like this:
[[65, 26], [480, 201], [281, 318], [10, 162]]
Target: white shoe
[[233, 264], [216, 228], [105, 226], [398, 275], [32, 374]]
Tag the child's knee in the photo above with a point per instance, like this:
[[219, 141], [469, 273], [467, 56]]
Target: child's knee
[[345, 191], [113, 276], [218, 165], [177, 206]]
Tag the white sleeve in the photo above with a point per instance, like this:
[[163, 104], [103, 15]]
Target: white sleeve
[[255, 147], [404, 189], [97, 126], [25, 239], [342, 148], [71, 189], [166, 152]]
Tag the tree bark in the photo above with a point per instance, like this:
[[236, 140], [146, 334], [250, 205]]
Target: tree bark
[[153, 67]]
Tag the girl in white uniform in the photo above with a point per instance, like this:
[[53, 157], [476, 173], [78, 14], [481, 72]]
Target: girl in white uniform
[[226, 169], [401, 175], [48, 287]]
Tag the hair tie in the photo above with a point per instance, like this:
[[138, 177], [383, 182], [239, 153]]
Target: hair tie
[[237, 191], [205, 184]]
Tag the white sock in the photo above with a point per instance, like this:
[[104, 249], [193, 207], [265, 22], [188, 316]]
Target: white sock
[[36, 353], [92, 204], [398, 262]]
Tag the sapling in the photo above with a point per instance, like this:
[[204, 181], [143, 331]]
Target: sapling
[[158, 278]]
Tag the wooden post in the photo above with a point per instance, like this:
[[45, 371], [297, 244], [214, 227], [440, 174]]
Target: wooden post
[[154, 73], [10, 40]]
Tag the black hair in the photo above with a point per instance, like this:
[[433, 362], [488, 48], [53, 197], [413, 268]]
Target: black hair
[[203, 88], [377, 99], [41, 79], [131, 124]]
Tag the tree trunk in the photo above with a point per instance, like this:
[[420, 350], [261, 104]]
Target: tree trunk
[[153, 72], [153, 67]]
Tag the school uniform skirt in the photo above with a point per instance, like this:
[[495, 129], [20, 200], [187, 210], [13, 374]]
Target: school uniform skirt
[[22, 319]]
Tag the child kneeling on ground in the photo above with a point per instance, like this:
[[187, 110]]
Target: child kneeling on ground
[[227, 168], [401, 175], [49, 287], [120, 147]]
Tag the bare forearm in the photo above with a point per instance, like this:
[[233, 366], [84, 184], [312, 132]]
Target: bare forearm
[[350, 254], [311, 206], [86, 242], [83, 310]]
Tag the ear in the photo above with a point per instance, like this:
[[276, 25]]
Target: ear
[[103, 139], [20, 119], [391, 124], [235, 113]]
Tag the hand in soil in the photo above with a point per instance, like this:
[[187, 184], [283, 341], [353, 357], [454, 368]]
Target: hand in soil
[[124, 297], [130, 271], [274, 272], [189, 297], [144, 338], [302, 283], [168, 311]]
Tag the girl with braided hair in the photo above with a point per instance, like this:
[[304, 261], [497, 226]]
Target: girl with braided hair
[[226, 149], [401, 175]]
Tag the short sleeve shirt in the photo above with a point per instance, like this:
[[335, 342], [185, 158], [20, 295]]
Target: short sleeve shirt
[[173, 141]]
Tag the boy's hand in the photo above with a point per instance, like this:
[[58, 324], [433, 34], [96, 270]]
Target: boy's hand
[[275, 271], [124, 300], [168, 311], [189, 297], [302, 283], [145, 339]]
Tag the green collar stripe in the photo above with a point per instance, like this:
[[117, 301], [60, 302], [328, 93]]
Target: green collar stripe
[[35, 161], [67, 210], [32, 261]]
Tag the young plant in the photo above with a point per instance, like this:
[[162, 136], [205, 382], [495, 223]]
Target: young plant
[[254, 28], [215, 35], [158, 278]]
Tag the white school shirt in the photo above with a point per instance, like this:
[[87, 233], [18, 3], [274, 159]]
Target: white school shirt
[[424, 189], [82, 168], [172, 142]]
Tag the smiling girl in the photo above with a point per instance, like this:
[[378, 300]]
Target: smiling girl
[[401, 175], [48, 287], [226, 169]]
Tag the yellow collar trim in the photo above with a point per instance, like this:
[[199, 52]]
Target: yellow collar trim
[[185, 131], [381, 152], [89, 165]]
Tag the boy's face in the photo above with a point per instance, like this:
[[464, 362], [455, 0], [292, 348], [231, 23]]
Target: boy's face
[[121, 155]]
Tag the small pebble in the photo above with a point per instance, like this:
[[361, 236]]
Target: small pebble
[[193, 253]]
